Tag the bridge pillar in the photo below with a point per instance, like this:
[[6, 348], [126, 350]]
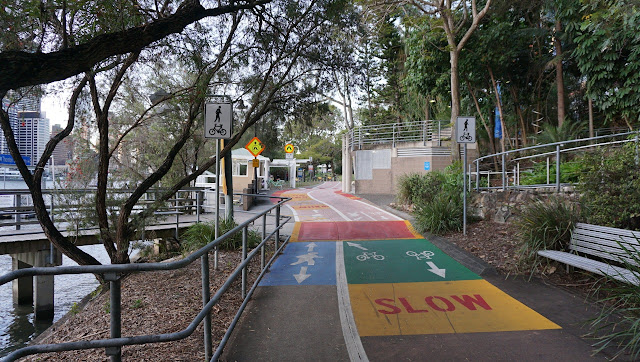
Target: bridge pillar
[[38, 290]]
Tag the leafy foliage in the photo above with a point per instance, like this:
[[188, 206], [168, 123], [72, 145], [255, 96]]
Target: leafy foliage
[[610, 188], [418, 188], [619, 322], [569, 173], [608, 54], [437, 197], [545, 224], [199, 235]]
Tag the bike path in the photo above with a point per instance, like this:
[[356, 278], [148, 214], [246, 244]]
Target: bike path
[[348, 288]]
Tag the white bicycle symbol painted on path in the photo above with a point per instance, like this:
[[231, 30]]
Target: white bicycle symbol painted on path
[[426, 254], [372, 255]]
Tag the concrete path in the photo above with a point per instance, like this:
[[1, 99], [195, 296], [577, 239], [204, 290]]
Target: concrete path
[[359, 283]]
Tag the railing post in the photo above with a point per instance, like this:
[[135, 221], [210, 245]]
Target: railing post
[[548, 171], [393, 137], [206, 295], [557, 168], [439, 135], [264, 235], [177, 218], [424, 133], [277, 227], [198, 202], [244, 256], [504, 175], [18, 203], [115, 353], [477, 175]]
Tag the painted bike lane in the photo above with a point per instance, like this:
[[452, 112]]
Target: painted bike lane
[[393, 290]]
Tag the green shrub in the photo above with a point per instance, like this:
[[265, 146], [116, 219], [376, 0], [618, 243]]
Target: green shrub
[[441, 210], [619, 323], [199, 235], [545, 224], [416, 188], [442, 214], [569, 173], [610, 188]]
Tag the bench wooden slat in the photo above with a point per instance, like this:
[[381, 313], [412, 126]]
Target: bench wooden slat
[[591, 265], [603, 242], [614, 255], [594, 236], [608, 230]]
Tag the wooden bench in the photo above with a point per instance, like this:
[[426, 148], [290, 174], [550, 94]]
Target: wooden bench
[[606, 243]]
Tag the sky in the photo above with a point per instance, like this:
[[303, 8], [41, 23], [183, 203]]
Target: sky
[[55, 108]]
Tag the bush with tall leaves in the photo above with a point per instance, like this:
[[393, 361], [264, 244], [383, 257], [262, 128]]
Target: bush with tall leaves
[[200, 234], [619, 322], [610, 188], [417, 188], [545, 224]]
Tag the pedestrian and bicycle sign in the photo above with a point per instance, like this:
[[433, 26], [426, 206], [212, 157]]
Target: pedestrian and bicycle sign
[[466, 130], [218, 120], [255, 147]]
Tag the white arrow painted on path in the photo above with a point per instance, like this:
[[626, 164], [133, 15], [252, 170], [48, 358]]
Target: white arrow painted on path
[[302, 276], [308, 258], [311, 246], [356, 245], [435, 270]]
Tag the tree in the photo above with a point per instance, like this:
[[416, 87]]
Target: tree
[[608, 55], [455, 21], [84, 33], [272, 64]]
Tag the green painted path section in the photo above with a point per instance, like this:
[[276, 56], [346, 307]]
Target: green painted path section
[[400, 261]]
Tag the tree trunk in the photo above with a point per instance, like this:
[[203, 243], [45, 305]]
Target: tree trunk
[[559, 75], [455, 102], [523, 126]]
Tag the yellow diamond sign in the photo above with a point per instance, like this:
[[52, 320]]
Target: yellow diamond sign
[[255, 147]]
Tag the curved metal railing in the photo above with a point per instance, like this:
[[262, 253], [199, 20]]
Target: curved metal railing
[[512, 163], [112, 274]]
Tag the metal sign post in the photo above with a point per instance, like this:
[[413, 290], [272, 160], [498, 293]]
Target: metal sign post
[[465, 133], [218, 123]]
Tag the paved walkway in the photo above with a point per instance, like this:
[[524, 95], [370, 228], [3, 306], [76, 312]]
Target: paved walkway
[[359, 283]]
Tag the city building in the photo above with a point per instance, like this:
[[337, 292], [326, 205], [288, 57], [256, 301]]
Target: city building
[[29, 124]]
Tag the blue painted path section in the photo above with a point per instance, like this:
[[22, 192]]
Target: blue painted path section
[[304, 264]]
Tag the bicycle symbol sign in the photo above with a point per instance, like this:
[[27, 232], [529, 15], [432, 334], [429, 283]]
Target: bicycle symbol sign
[[218, 119], [466, 130]]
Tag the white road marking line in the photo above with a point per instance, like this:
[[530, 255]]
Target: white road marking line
[[369, 216], [349, 328], [296, 218], [332, 208], [384, 211]]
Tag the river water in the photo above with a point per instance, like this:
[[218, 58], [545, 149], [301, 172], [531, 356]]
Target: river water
[[17, 325]]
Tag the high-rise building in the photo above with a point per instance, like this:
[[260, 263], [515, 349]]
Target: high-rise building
[[30, 126], [64, 150], [32, 134]]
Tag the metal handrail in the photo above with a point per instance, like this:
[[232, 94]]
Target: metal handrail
[[417, 131], [560, 147], [112, 274], [18, 213]]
